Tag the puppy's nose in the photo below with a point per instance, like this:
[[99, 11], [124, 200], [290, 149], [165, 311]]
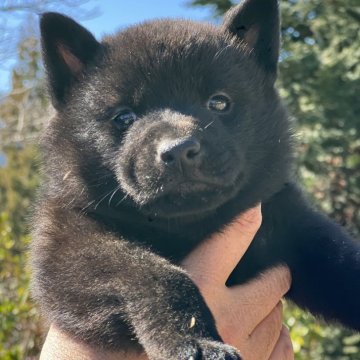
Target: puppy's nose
[[183, 152]]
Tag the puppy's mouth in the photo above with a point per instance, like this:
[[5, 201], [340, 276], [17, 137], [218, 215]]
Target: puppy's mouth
[[189, 199]]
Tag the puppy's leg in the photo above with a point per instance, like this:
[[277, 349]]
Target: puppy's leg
[[95, 286], [324, 260]]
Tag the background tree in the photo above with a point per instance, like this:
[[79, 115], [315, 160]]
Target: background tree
[[23, 112], [12, 13], [320, 82]]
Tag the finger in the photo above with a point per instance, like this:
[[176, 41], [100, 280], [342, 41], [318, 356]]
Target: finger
[[283, 348], [259, 296], [214, 259], [267, 334]]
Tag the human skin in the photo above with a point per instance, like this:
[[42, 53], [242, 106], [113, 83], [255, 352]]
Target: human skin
[[248, 317]]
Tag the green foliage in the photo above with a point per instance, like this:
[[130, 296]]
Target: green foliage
[[219, 6], [19, 323], [22, 114], [316, 341], [18, 184], [320, 81]]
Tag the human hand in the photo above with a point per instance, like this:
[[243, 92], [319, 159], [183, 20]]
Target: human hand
[[248, 316]]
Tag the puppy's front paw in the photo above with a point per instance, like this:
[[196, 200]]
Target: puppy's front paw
[[208, 350]]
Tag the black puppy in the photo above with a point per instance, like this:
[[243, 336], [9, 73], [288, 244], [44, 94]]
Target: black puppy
[[163, 134]]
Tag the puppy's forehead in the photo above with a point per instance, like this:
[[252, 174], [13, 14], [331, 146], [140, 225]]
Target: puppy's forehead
[[169, 55], [165, 37]]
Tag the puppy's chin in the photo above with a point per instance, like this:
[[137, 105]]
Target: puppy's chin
[[191, 205], [184, 198]]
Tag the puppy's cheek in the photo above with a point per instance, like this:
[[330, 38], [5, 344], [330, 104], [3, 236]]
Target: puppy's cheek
[[125, 172], [135, 179]]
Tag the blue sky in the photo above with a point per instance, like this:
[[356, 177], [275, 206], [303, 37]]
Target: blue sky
[[116, 14], [120, 13]]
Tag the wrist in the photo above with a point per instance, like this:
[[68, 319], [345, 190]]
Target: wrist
[[61, 346]]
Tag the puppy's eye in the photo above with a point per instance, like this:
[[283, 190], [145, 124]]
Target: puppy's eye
[[219, 103], [124, 118]]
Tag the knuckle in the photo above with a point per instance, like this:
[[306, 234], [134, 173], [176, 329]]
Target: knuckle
[[275, 321], [279, 280], [285, 278], [278, 315], [250, 221]]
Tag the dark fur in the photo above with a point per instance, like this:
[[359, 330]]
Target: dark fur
[[113, 220]]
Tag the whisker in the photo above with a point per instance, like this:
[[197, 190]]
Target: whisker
[[74, 198], [113, 194], [87, 206], [209, 124], [102, 199], [124, 198]]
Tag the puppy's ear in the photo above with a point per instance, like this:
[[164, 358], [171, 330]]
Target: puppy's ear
[[256, 23], [68, 48]]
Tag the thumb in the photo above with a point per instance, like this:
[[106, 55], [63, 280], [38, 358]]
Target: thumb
[[215, 259]]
